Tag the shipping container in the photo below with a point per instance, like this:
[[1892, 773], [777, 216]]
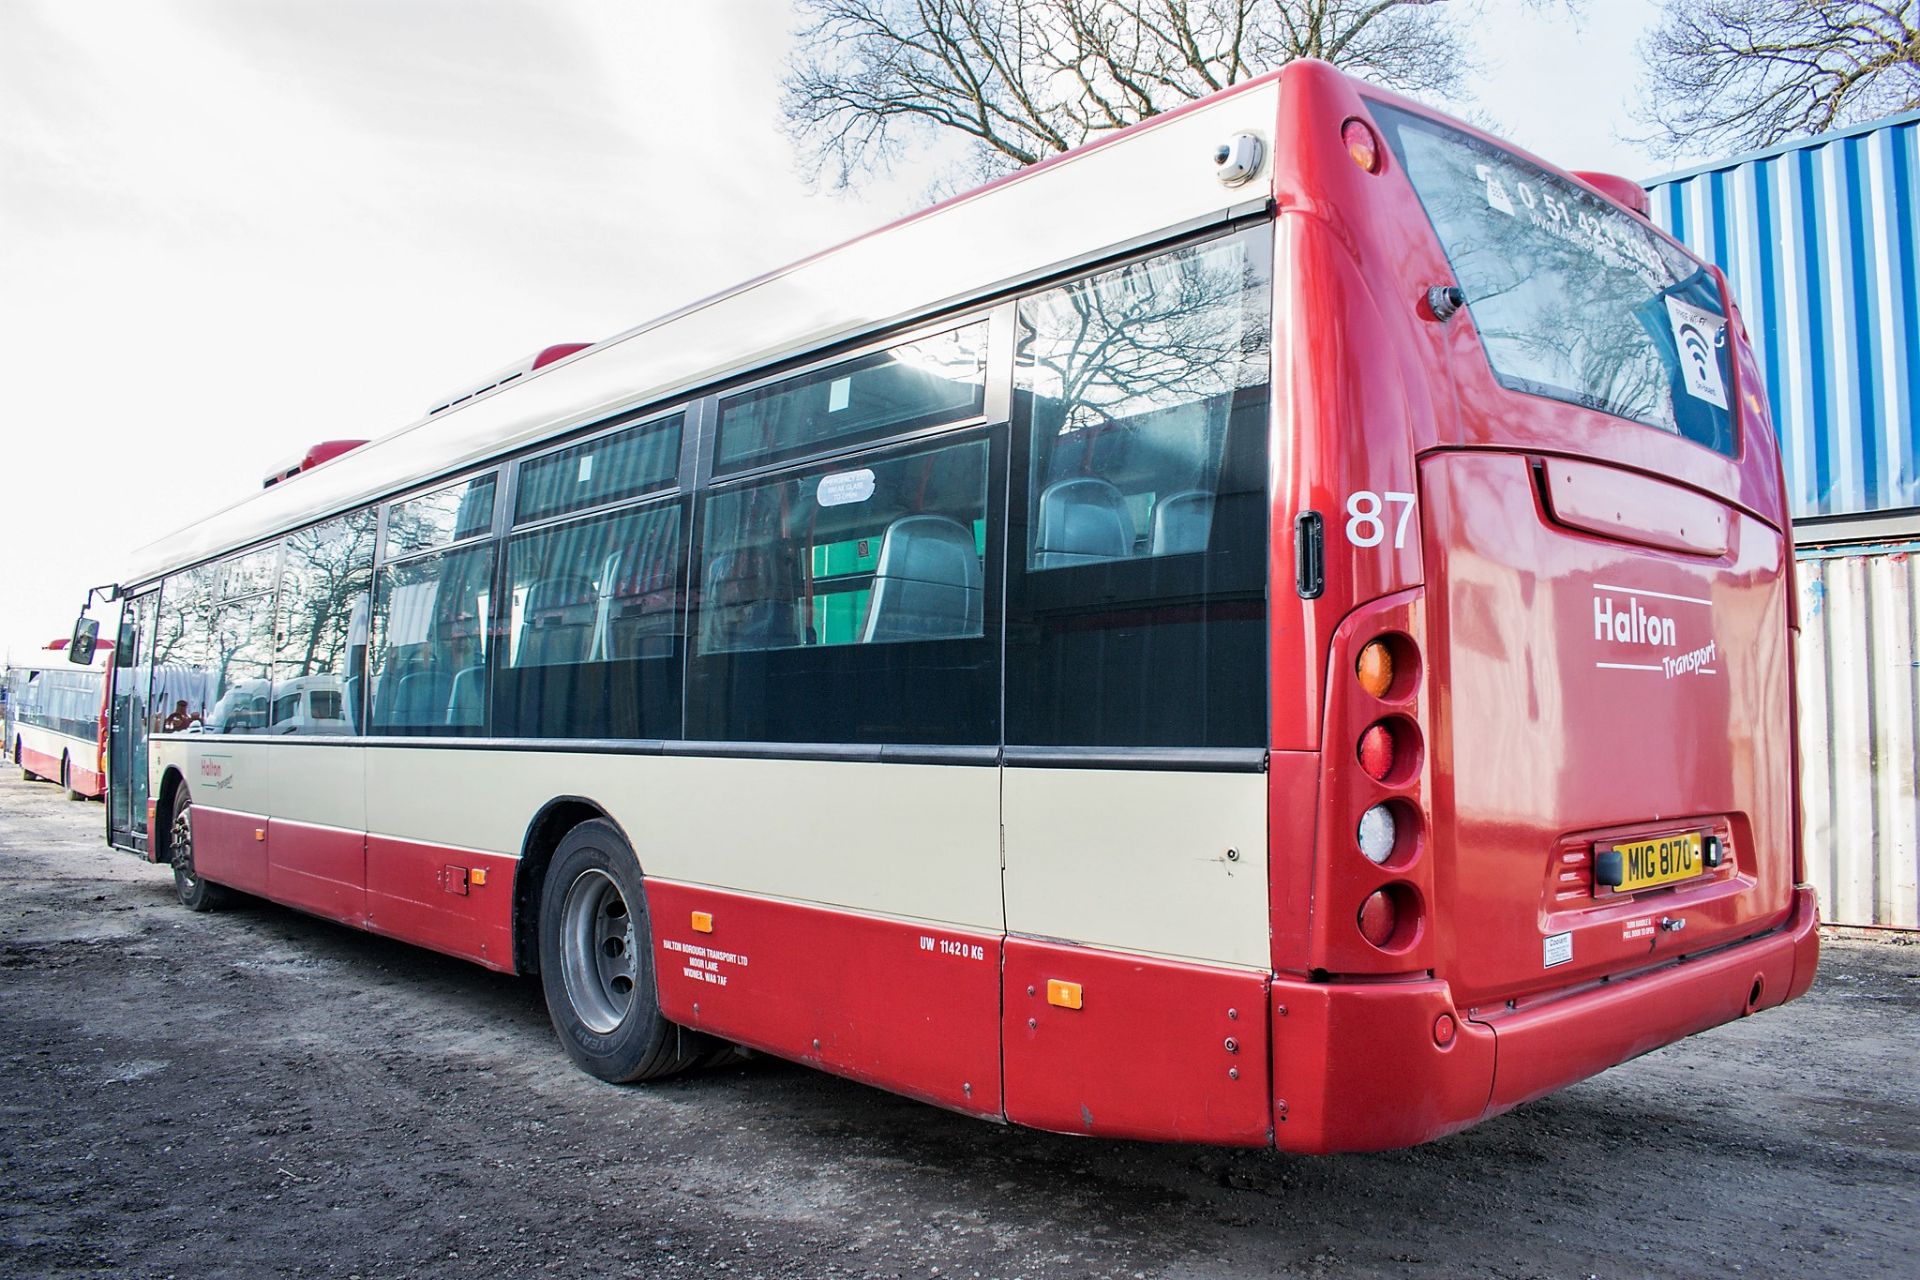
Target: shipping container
[[1820, 241]]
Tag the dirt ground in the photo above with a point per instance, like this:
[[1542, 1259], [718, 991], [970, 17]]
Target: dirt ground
[[261, 1094]]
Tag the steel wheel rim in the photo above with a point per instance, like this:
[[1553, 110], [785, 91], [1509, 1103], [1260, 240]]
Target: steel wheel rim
[[597, 954], [181, 838]]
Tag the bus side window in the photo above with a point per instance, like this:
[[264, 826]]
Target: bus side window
[[427, 668], [593, 636], [1140, 413], [846, 602]]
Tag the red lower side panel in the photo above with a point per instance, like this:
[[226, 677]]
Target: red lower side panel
[[1542, 1050], [911, 1008], [227, 848], [40, 763], [1157, 1050], [318, 869], [455, 901], [88, 782]]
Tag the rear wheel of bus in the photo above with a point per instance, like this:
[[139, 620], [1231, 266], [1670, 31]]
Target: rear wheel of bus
[[596, 960], [195, 894]]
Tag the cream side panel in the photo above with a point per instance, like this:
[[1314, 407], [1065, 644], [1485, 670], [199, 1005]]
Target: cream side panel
[[229, 773], [325, 786], [921, 841], [1137, 859]]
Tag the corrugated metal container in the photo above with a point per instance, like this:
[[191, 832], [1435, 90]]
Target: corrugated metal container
[[1820, 240], [1859, 668]]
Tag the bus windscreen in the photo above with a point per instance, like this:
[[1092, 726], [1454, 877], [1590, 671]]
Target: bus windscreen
[[1573, 297]]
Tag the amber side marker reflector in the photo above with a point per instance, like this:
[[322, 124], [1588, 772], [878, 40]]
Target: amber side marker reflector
[[703, 922], [1064, 994], [259, 833], [478, 875], [1361, 144], [1375, 669]]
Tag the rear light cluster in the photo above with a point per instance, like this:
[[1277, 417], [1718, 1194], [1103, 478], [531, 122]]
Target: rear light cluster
[[1387, 830]]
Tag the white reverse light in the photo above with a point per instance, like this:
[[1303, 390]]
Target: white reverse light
[[1376, 833]]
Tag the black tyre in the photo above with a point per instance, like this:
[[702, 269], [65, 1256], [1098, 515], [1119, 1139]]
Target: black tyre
[[66, 780], [596, 960], [26, 774], [195, 894]]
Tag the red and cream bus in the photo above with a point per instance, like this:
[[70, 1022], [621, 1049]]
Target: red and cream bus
[[1270, 629], [56, 722]]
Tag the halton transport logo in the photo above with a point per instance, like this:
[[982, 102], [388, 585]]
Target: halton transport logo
[[1654, 631]]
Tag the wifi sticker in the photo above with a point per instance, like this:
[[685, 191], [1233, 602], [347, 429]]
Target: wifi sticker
[[1698, 335]]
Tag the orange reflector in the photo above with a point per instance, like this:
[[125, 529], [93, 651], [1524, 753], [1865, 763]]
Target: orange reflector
[[1064, 994], [259, 833], [478, 875], [1361, 144], [1375, 669], [703, 922]]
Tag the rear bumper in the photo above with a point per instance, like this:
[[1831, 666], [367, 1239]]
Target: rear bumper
[[1357, 1067]]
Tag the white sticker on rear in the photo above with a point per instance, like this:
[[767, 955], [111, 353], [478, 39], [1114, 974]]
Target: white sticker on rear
[[1698, 334], [1557, 950]]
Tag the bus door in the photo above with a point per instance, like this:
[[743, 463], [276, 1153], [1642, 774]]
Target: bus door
[[128, 725]]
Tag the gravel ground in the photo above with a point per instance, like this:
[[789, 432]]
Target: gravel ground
[[256, 1093]]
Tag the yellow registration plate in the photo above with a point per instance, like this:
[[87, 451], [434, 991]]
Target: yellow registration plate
[[1647, 864]]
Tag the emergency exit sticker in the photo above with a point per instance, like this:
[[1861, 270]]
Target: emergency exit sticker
[[1698, 335]]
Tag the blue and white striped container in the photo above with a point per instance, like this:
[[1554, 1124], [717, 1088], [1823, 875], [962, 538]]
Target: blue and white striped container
[[1820, 240]]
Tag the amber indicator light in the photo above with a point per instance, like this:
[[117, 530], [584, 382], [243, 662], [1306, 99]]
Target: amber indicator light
[[1375, 669]]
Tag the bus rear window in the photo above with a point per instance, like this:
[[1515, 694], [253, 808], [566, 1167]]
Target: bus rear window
[[1574, 298]]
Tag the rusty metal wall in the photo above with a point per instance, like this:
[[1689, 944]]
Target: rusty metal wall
[[1859, 669]]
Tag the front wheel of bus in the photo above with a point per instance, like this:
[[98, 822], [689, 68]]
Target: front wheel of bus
[[596, 960], [195, 894]]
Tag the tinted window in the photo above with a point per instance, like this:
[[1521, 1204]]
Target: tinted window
[[184, 668], [321, 651], [595, 472], [1573, 297], [428, 671], [934, 380], [1138, 616], [446, 515], [594, 635], [846, 603], [243, 631]]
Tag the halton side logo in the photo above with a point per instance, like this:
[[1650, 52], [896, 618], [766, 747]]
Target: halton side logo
[[1654, 631]]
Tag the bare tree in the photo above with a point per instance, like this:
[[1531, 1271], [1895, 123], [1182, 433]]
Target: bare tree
[[1725, 74], [1018, 80]]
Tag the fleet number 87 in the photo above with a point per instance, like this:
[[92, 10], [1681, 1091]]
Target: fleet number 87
[[1366, 523]]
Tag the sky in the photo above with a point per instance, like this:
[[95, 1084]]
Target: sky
[[232, 228]]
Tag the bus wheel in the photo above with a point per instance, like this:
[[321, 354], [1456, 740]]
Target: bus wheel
[[66, 780], [596, 960], [194, 893]]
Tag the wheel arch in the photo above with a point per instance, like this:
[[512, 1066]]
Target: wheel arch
[[549, 827]]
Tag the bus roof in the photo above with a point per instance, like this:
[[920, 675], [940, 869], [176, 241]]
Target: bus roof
[[1071, 207]]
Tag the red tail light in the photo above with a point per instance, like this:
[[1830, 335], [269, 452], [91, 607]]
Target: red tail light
[[1379, 918], [1376, 751]]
